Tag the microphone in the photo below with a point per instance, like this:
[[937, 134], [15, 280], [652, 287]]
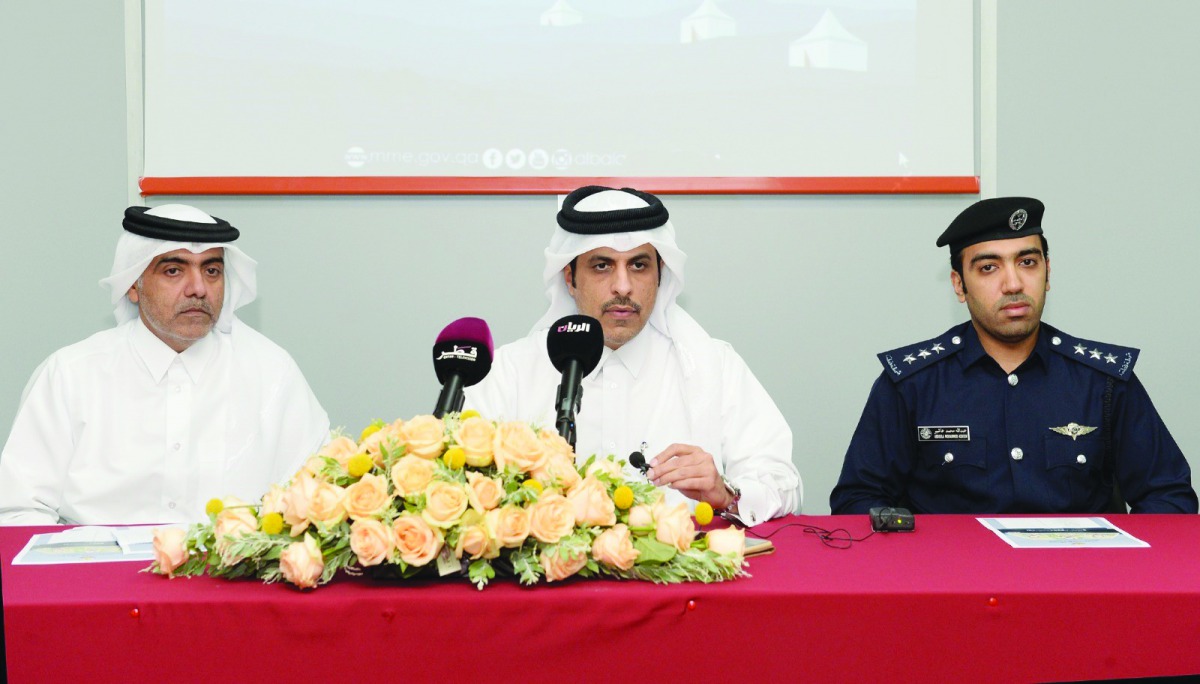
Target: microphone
[[575, 344], [637, 460], [462, 356]]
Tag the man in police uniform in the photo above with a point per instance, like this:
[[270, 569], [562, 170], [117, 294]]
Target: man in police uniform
[[1005, 414]]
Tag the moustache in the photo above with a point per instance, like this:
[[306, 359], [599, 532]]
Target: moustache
[[199, 304], [621, 301], [1014, 299]]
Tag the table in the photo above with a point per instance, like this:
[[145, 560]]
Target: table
[[949, 602]]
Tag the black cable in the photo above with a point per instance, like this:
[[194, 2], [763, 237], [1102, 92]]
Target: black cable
[[838, 538]]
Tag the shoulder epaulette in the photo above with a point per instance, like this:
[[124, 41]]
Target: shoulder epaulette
[[1109, 359], [903, 362]]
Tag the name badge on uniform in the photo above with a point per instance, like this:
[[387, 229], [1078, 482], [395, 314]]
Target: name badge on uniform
[[944, 433]]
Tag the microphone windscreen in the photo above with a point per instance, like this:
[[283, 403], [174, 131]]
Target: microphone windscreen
[[464, 348], [637, 460], [575, 337], [474, 330]]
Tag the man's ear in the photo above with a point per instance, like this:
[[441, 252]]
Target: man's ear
[[132, 293], [1047, 274], [957, 282], [567, 278]]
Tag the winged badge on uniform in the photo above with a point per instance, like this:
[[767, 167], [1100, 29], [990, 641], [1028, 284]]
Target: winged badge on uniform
[[1073, 430]]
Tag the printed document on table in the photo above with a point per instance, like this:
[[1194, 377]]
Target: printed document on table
[[89, 545], [1061, 533]]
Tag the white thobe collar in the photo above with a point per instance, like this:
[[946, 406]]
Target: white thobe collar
[[157, 357], [633, 354]]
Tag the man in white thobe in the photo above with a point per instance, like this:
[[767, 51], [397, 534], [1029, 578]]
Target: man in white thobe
[[663, 386], [179, 403]]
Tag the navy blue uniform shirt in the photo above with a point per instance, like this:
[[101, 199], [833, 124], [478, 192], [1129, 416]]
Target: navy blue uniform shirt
[[946, 430]]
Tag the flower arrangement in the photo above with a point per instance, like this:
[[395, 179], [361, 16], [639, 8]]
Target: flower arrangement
[[461, 495]]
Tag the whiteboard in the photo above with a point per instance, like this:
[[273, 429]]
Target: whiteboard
[[466, 94]]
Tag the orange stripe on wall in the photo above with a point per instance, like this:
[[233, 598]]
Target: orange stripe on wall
[[521, 185]]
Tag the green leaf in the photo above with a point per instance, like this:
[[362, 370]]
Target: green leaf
[[480, 572], [653, 551]]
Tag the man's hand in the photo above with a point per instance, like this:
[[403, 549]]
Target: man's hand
[[692, 471]]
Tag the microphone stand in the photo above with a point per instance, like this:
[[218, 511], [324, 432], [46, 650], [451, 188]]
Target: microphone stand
[[451, 397], [570, 394]]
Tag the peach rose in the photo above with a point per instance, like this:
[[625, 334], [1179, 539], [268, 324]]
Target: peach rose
[[555, 444], [592, 504], [726, 541], [170, 550], [509, 525], [340, 450], [301, 563], [297, 500], [328, 505], [517, 447], [386, 436], [477, 542], [674, 525], [640, 516], [608, 467], [551, 518], [475, 436], [425, 436], [411, 475], [312, 467], [371, 541], [558, 468], [367, 498], [417, 542], [273, 501], [614, 547], [445, 502], [235, 520], [483, 492], [559, 568]]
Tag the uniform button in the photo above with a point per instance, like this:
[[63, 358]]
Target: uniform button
[[178, 389], [171, 505], [1017, 454], [612, 446], [1056, 340], [956, 339], [176, 446], [1081, 459], [949, 458], [612, 385], [1012, 379]]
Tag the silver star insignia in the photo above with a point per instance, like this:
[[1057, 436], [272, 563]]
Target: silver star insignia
[[909, 359], [924, 354], [1110, 358], [1073, 430], [938, 348], [1080, 349], [1095, 353]]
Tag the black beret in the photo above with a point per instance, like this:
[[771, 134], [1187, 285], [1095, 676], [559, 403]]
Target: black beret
[[1000, 218], [138, 222], [615, 221]]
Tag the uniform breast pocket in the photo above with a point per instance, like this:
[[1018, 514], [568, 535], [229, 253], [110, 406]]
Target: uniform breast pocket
[[1074, 469], [956, 467]]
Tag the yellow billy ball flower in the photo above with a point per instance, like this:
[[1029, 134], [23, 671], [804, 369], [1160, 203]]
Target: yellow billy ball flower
[[533, 484], [214, 506], [272, 523], [369, 430], [359, 465], [704, 513], [469, 413], [454, 458], [623, 497]]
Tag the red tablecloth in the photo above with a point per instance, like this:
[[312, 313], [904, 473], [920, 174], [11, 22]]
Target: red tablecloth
[[949, 602]]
